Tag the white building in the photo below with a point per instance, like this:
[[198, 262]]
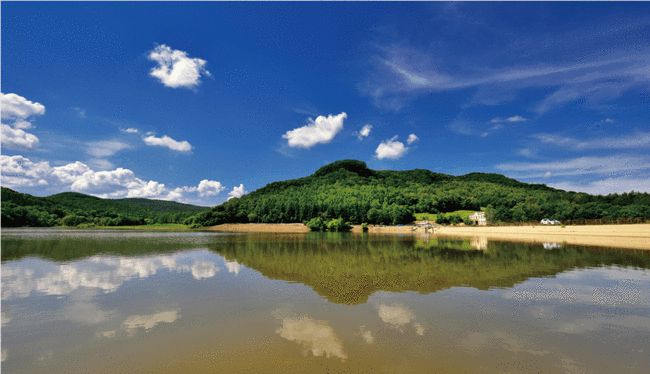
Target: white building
[[478, 218]]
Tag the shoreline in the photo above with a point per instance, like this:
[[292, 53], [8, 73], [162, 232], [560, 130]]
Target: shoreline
[[629, 236]]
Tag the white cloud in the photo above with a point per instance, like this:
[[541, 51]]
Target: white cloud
[[117, 183], [80, 112], [316, 337], [105, 148], [99, 273], [399, 316], [69, 173], [319, 131], [631, 141], [365, 131], [607, 185], [19, 171], [17, 138], [15, 107], [130, 130], [511, 119], [168, 142], [237, 192], [600, 165], [233, 267], [403, 71], [204, 270], [149, 321], [412, 138], [101, 164], [15, 113], [390, 149], [209, 188], [366, 335], [175, 68], [395, 315]]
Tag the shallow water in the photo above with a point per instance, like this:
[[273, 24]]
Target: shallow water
[[101, 301]]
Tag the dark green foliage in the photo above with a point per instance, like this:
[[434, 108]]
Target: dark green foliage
[[73, 209], [316, 224], [333, 225], [349, 190], [354, 166], [451, 219], [338, 225]]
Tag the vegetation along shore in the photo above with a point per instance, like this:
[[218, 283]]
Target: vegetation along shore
[[347, 195]]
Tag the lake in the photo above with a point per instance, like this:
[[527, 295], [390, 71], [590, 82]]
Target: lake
[[135, 302]]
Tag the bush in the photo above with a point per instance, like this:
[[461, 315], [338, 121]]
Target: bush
[[316, 224], [73, 220], [338, 225], [364, 227]]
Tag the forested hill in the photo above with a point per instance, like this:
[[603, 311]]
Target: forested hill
[[348, 189], [72, 209]]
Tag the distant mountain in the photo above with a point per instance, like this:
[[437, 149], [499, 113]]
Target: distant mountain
[[349, 189], [72, 209]]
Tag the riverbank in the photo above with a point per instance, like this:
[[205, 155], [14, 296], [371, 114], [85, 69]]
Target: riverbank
[[633, 236]]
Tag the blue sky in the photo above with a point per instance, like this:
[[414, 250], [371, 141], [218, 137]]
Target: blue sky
[[198, 102]]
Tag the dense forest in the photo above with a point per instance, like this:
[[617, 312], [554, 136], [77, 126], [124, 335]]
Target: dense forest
[[74, 209], [348, 189]]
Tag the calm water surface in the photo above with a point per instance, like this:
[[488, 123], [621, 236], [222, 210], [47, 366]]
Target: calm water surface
[[129, 302]]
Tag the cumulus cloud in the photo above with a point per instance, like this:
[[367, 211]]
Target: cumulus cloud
[[168, 142], [19, 171], [149, 321], [16, 112], [399, 316], [365, 131], [209, 188], [17, 138], [317, 337], [204, 270], [237, 192], [390, 149], [319, 131], [175, 68], [17, 107], [233, 267], [99, 273], [412, 138]]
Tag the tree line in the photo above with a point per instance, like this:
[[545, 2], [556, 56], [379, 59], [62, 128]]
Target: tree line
[[74, 209], [350, 191]]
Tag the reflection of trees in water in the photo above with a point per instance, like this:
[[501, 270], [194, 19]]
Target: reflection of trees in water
[[347, 269]]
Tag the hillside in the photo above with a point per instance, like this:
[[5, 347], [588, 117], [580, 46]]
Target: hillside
[[72, 209], [350, 190]]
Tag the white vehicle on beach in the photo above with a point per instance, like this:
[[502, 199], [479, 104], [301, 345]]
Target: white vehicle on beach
[[546, 221]]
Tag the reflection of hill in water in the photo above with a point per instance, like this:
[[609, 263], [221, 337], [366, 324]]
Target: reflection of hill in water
[[67, 246], [347, 269]]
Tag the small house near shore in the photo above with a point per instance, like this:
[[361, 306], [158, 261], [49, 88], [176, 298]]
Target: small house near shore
[[478, 218]]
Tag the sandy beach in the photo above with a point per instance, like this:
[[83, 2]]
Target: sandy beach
[[636, 236]]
